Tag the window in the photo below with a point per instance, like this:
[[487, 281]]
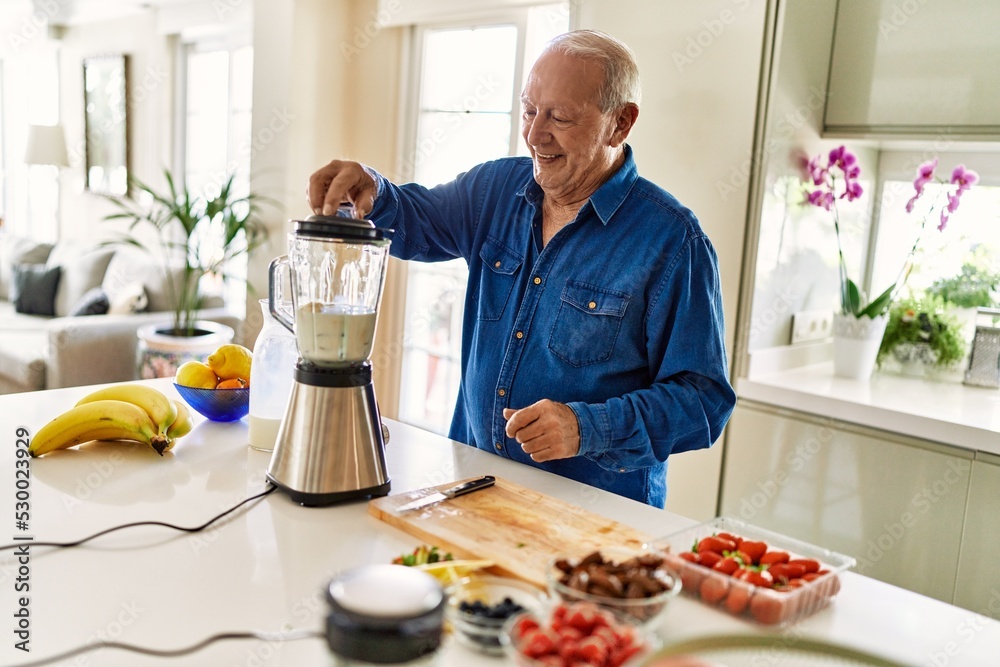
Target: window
[[218, 96], [971, 236], [470, 79]]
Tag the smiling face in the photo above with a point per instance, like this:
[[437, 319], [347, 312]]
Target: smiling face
[[575, 146]]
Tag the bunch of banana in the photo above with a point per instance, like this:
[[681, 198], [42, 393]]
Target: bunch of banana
[[127, 412]]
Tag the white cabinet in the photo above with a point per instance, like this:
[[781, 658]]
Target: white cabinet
[[978, 584], [895, 504], [915, 66]]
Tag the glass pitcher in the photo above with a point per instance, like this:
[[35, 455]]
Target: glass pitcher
[[274, 357], [336, 268]]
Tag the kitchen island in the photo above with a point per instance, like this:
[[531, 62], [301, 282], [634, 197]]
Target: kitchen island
[[266, 567]]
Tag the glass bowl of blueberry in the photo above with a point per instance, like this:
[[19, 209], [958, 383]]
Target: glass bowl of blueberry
[[479, 606]]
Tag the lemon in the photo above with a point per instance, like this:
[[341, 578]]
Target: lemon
[[196, 374], [450, 571], [231, 361]]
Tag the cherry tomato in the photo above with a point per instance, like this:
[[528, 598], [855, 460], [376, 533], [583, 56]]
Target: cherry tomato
[[525, 624], [772, 557], [691, 575], [737, 600], [753, 549], [735, 539], [766, 609], [716, 544], [810, 564], [743, 557], [762, 579], [710, 558], [786, 571], [727, 565], [537, 643], [713, 589], [592, 650]]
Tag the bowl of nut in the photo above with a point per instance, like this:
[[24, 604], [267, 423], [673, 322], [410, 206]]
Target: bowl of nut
[[480, 605], [636, 584]]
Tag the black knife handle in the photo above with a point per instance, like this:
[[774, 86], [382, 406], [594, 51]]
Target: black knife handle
[[470, 486]]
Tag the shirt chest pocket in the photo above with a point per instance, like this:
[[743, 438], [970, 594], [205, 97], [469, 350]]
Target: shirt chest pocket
[[500, 269], [587, 324]]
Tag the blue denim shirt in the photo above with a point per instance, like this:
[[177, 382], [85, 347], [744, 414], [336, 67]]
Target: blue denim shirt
[[619, 316]]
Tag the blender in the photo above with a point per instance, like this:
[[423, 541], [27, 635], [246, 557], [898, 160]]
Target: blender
[[330, 445]]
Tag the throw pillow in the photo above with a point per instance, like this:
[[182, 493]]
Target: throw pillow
[[18, 250], [83, 269], [94, 302], [128, 300], [33, 289]]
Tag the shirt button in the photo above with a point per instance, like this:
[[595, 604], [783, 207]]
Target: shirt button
[[592, 305], [538, 281], [519, 335], [621, 470], [497, 264], [499, 447], [502, 392]]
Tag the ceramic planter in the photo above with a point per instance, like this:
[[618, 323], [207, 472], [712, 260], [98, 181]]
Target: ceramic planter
[[159, 352], [855, 345]]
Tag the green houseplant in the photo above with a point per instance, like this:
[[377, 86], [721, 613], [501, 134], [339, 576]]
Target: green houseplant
[[194, 235], [973, 287], [921, 332]]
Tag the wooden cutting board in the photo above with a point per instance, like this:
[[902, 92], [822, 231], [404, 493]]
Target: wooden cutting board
[[517, 528]]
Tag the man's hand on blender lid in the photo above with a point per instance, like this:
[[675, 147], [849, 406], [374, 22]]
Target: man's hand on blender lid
[[341, 181]]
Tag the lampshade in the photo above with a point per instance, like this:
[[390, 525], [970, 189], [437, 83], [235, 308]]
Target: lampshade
[[46, 145]]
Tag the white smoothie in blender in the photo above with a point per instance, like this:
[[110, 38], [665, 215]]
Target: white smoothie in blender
[[334, 334]]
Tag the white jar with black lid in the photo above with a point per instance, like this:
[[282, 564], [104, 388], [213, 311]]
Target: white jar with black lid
[[385, 615]]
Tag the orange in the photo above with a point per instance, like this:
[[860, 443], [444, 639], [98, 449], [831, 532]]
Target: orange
[[234, 383]]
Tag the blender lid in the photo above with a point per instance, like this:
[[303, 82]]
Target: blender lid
[[340, 227]]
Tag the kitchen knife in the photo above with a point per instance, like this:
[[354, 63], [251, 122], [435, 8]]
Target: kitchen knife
[[455, 491]]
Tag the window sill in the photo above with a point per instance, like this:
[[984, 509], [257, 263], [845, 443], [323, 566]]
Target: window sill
[[948, 413]]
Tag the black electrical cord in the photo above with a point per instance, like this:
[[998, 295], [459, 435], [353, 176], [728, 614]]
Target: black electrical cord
[[291, 635], [186, 529]]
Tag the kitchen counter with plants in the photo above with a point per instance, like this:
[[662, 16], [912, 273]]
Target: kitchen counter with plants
[[265, 567], [948, 413]]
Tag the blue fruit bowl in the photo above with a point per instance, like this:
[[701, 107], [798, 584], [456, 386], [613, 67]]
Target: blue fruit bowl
[[218, 405]]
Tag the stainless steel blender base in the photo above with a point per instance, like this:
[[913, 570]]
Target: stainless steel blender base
[[329, 448]]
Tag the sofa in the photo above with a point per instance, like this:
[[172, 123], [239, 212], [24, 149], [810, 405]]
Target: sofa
[[69, 312]]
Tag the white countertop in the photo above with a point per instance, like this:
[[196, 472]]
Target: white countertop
[[949, 413], [266, 568]]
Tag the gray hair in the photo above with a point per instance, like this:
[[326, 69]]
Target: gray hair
[[621, 73]]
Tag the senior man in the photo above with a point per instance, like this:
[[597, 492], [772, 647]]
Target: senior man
[[592, 345]]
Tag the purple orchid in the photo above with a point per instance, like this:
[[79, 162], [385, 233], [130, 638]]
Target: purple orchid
[[925, 174]]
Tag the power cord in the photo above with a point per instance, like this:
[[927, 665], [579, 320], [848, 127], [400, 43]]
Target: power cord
[[185, 529], [291, 635]]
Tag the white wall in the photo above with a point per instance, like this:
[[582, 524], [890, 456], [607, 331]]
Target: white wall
[[150, 97], [700, 66]]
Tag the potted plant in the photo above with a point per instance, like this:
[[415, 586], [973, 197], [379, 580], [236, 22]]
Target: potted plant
[[193, 236], [860, 324], [973, 287], [921, 333]]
